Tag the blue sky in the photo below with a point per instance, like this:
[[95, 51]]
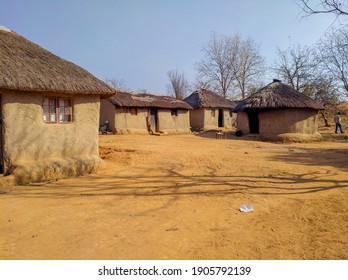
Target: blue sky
[[140, 40]]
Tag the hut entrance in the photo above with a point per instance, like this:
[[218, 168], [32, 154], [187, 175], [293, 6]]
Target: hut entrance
[[1, 141], [221, 118], [253, 117], [154, 119]]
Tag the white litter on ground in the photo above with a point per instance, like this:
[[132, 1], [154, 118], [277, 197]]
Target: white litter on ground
[[246, 208]]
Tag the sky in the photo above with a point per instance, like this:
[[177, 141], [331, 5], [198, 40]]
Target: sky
[[139, 41]]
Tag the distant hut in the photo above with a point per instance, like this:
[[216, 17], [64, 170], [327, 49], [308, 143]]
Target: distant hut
[[210, 110], [279, 112], [49, 113], [145, 113]]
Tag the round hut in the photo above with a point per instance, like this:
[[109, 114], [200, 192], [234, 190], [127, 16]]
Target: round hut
[[49, 113], [210, 110], [279, 112]]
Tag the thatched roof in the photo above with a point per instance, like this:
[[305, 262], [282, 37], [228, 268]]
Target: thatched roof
[[25, 66], [207, 99], [142, 100], [277, 95]]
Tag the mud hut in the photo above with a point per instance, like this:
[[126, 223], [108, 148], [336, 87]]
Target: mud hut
[[279, 112], [49, 113], [210, 110], [145, 113]]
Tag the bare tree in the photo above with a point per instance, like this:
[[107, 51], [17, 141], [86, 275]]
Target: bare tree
[[249, 67], [118, 84], [323, 90], [178, 86], [230, 64], [333, 49], [201, 83], [216, 68], [337, 7], [297, 66]]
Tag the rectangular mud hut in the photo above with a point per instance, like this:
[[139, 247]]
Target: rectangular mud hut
[[49, 113], [279, 112], [210, 110], [128, 113]]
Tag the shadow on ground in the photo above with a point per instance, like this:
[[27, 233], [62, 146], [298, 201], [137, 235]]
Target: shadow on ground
[[315, 157], [171, 183]]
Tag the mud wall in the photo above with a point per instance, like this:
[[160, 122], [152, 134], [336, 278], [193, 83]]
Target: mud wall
[[125, 122], [197, 118], [211, 118], [304, 121], [174, 124], [280, 121], [28, 140], [243, 122], [210, 121], [229, 119]]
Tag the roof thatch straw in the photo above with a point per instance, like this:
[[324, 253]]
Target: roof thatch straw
[[207, 99], [25, 66], [277, 95], [142, 100]]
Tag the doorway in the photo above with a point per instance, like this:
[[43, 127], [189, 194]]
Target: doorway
[[221, 118], [253, 117], [154, 119]]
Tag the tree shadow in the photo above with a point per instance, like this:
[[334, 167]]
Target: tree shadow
[[337, 158], [172, 183], [168, 186]]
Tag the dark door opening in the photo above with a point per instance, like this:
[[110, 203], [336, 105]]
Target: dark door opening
[[154, 119], [253, 117], [221, 118]]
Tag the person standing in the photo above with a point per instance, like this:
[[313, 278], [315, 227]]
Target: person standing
[[338, 123]]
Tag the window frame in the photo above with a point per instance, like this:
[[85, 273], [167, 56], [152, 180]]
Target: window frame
[[174, 112], [57, 110], [49, 114], [133, 111]]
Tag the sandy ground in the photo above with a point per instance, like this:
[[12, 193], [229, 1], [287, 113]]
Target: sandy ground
[[178, 197]]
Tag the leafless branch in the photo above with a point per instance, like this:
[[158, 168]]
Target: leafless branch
[[178, 84], [230, 63], [337, 7]]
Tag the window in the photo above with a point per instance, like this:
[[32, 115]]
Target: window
[[65, 110], [57, 110], [213, 113], [231, 113], [174, 112], [133, 111], [49, 108]]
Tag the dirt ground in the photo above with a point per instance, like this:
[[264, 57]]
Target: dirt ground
[[178, 197]]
